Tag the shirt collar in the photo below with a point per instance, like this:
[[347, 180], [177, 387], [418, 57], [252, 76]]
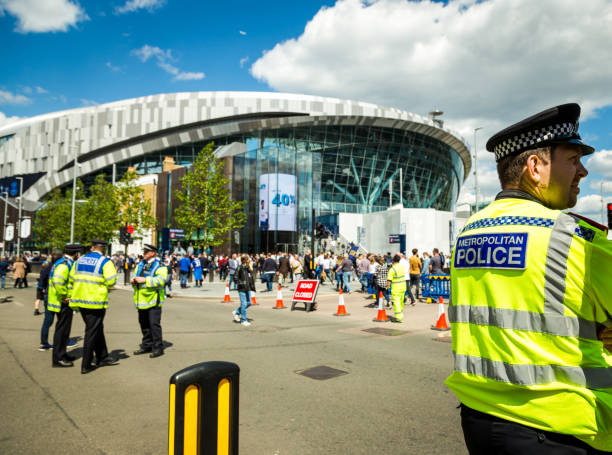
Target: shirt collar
[[516, 194]]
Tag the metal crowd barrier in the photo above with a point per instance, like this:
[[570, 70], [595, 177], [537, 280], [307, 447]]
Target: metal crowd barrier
[[434, 286]]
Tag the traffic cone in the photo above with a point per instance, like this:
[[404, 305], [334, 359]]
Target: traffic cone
[[253, 301], [441, 323], [382, 313], [279, 300], [341, 308], [226, 297]]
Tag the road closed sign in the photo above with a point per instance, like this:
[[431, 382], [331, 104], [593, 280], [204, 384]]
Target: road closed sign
[[306, 291]]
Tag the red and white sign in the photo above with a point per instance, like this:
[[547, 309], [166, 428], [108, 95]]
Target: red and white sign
[[306, 291]]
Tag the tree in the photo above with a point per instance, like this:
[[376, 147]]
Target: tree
[[206, 204], [133, 207], [98, 217], [51, 220]]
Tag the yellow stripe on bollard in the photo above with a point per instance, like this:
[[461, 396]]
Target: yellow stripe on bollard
[[223, 419], [192, 421], [171, 419]]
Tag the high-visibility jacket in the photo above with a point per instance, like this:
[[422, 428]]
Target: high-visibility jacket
[[152, 291], [530, 288], [397, 276], [91, 276], [59, 288]]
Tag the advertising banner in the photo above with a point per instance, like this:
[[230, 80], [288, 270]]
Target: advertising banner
[[277, 202]]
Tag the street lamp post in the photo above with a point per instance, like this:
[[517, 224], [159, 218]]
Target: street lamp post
[[5, 194], [19, 215], [476, 189], [74, 178]]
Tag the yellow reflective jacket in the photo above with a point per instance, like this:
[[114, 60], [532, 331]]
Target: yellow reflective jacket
[[397, 276], [530, 288], [90, 277], [59, 288], [152, 292]]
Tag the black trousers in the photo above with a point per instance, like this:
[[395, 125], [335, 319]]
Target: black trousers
[[488, 435], [94, 342], [150, 325], [62, 333], [415, 281]]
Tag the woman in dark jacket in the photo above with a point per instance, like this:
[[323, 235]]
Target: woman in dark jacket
[[246, 285]]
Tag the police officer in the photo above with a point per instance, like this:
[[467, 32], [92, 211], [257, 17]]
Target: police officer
[[149, 293], [91, 276], [57, 302], [530, 291], [396, 280]]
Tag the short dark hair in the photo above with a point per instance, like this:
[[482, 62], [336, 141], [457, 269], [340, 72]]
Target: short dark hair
[[396, 258], [435, 250], [510, 168], [415, 251]]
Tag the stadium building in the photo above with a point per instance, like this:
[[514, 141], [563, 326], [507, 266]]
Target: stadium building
[[360, 171]]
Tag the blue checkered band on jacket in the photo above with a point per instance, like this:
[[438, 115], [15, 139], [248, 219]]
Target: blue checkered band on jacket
[[532, 139], [581, 231]]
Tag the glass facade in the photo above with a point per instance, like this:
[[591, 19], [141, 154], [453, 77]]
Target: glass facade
[[336, 168]]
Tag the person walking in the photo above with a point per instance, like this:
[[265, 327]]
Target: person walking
[[346, 267], [309, 266], [232, 265], [435, 263], [530, 295], [91, 276], [149, 286], [284, 268], [19, 273], [245, 283], [49, 315], [406, 265], [184, 267], [58, 302], [415, 271], [396, 282], [380, 277], [196, 264], [4, 266], [269, 269]]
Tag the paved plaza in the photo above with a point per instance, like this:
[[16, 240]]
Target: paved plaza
[[392, 399]]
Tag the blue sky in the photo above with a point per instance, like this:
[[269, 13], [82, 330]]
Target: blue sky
[[484, 63]]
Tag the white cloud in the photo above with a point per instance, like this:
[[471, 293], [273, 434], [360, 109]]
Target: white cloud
[[163, 59], [40, 16], [242, 32], [135, 5], [243, 61], [600, 163], [4, 120], [27, 90], [490, 63], [40, 90], [112, 67], [589, 206], [13, 98]]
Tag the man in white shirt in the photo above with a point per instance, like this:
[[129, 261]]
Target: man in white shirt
[[406, 264]]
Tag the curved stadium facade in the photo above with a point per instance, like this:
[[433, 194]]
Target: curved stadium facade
[[287, 154]]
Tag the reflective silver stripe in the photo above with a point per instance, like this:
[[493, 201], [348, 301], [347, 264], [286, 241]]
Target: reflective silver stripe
[[97, 270], [529, 321], [59, 282], [112, 277], [526, 374], [88, 302], [556, 264], [82, 280]]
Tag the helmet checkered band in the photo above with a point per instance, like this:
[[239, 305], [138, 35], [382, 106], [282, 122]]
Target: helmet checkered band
[[531, 139]]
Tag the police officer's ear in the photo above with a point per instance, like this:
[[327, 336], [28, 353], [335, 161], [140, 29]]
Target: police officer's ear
[[536, 172]]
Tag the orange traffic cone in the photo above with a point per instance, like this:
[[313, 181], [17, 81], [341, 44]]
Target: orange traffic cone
[[441, 323], [279, 300], [226, 297], [253, 301], [341, 308], [382, 313]]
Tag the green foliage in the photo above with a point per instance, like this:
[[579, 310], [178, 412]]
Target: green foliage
[[133, 208], [206, 205], [97, 216]]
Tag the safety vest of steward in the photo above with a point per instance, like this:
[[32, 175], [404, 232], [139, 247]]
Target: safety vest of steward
[[152, 292], [91, 276], [397, 276], [530, 288], [59, 287]]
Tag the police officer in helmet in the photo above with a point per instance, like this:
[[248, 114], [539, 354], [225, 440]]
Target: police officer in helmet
[[149, 294], [530, 295]]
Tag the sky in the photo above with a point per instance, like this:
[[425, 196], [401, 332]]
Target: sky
[[486, 64]]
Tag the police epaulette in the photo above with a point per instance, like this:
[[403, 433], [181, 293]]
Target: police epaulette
[[595, 224]]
